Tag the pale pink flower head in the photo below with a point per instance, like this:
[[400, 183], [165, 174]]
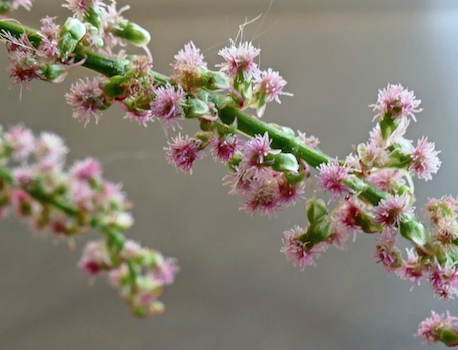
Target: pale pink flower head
[[95, 258], [268, 85], [27, 4], [332, 177], [430, 329], [263, 197], [21, 140], [289, 193], [183, 152], [388, 253], [165, 270], [86, 169], [424, 161], [132, 250], [441, 209], [50, 146], [396, 101], [371, 154], [296, 250], [444, 280], [188, 66], [310, 141], [239, 60], [225, 147], [24, 175], [86, 98], [256, 148], [413, 269], [24, 68], [168, 104], [347, 214], [81, 7], [386, 180], [389, 211]]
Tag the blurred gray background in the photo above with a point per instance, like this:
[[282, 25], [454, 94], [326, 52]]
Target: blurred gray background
[[235, 289]]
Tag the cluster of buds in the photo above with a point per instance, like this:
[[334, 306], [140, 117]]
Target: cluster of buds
[[53, 50], [35, 185]]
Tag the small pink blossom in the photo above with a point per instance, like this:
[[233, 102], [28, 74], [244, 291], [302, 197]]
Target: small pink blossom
[[50, 146], [132, 250], [444, 280], [21, 140], [389, 211], [413, 269], [268, 86], [95, 258], [424, 161], [387, 253], [86, 169], [225, 147], [168, 104], [81, 7], [296, 250], [310, 141], [262, 197], [239, 60], [256, 148], [183, 152], [441, 209], [396, 101], [430, 329], [386, 180], [188, 66], [165, 270], [27, 4], [23, 175], [332, 177], [86, 98]]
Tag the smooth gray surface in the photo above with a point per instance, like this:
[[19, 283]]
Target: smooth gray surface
[[235, 290]]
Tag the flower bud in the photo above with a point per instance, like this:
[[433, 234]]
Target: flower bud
[[412, 230], [285, 162], [216, 80], [94, 17], [72, 32], [388, 125], [4, 7], [196, 108], [316, 208], [133, 33], [54, 73], [113, 87], [448, 336], [318, 231]]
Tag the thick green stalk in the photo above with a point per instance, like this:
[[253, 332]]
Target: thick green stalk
[[246, 124]]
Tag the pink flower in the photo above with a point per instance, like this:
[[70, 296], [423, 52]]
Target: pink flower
[[239, 60], [262, 197], [168, 104], [183, 152], [132, 250], [389, 211], [86, 169], [332, 177], [95, 258], [396, 101], [86, 98], [188, 66], [165, 270], [413, 269], [310, 141], [424, 161], [50, 146], [268, 86], [256, 148], [386, 179], [27, 4], [225, 147], [297, 250], [444, 280], [81, 7], [430, 329], [21, 140], [387, 253], [441, 209]]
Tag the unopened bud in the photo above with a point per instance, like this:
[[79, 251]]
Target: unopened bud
[[412, 230], [133, 33], [285, 162], [449, 336], [72, 32], [318, 231], [316, 208]]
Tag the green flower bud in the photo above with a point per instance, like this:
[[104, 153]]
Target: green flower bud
[[448, 336], [316, 209], [196, 108], [133, 33], [285, 162], [412, 230], [4, 7], [294, 177], [318, 231], [216, 80], [54, 73], [113, 87], [72, 32], [94, 17], [388, 125]]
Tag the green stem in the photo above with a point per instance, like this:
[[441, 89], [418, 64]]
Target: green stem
[[246, 124]]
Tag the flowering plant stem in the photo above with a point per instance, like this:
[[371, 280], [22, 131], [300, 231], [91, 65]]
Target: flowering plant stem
[[247, 124]]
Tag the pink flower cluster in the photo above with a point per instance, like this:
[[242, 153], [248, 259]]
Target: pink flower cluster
[[67, 203]]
